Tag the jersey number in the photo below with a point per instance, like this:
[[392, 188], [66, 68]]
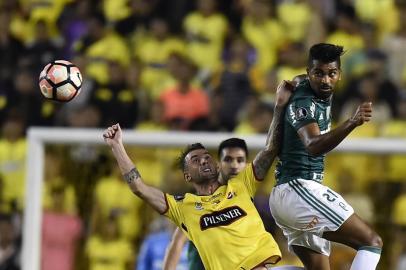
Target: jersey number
[[330, 196]]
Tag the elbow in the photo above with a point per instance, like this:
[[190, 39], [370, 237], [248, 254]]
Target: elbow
[[313, 149]]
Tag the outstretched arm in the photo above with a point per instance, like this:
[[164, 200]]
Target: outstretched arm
[[318, 144], [264, 159], [153, 196], [174, 250]]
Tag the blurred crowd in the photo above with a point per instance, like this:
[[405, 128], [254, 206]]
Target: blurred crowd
[[202, 65]]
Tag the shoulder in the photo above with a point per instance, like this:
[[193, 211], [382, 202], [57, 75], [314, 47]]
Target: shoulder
[[248, 172], [182, 198], [303, 91]]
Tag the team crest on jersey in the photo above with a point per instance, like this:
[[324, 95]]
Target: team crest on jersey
[[198, 206], [300, 113], [223, 217]]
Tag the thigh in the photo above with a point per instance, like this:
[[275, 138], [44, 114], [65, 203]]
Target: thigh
[[354, 233], [311, 259]]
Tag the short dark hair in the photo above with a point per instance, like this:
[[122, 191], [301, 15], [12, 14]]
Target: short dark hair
[[191, 147], [325, 53], [233, 143]]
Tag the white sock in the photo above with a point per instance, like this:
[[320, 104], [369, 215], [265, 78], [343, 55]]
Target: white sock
[[367, 258]]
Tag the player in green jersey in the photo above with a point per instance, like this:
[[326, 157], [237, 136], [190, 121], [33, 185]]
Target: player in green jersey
[[233, 155], [309, 213]]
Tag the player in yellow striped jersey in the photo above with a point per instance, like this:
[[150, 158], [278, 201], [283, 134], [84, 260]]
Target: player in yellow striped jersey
[[221, 220]]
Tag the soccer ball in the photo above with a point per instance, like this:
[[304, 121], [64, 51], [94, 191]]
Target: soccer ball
[[60, 80]]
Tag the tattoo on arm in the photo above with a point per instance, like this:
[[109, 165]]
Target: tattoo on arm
[[264, 159], [132, 175]]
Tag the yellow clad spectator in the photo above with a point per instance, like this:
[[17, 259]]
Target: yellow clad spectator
[[256, 119], [369, 10], [396, 129], [399, 210], [265, 34], [110, 198], [347, 34], [38, 10], [115, 10], [107, 249], [53, 179], [394, 45], [153, 52], [205, 33], [293, 61], [101, 45], [12, 160], [296, 17], [383, 13]]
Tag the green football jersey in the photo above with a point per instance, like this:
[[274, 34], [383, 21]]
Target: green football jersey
[[294, 161], [195, 263]]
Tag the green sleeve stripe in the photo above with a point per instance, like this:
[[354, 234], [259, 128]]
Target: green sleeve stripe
[[376, 250], [315, 205], [319, 202]]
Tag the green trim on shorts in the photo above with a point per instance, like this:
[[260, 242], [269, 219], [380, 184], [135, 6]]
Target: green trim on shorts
[[315, 203], [376, 250], [337, 216]]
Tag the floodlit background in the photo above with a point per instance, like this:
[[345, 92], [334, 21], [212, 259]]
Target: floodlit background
[[231, 54]]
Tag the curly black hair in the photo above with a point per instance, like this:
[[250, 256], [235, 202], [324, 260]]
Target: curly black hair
[[325, 53]]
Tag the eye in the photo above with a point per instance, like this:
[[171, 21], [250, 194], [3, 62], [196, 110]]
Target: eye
[[333, 73], [318, 73], [227, 159]]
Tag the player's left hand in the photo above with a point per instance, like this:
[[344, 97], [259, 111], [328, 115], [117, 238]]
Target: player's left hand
[[363, 114], [283, 92]]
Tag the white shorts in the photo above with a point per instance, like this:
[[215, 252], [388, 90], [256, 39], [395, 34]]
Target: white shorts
[[305, 209]]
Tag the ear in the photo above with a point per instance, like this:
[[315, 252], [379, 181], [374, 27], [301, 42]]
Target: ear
[[187, 177]]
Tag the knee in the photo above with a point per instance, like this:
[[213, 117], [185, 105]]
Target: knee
[[375, 240]]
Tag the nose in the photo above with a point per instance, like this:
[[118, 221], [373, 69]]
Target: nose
[[203, 161], [325, 79], [234, 164]]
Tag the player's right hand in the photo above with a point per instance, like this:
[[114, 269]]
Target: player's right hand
[[362, 114], [113, 135], [283, 92]]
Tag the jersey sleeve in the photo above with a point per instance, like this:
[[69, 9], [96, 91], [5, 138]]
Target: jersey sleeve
[[248, 179], [174, 212], [300, 113]]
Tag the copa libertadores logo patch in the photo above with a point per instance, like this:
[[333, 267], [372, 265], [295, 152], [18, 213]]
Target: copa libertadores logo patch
[[301, 113], [221, 218]]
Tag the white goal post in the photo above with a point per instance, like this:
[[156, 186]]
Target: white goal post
[[38, 137]]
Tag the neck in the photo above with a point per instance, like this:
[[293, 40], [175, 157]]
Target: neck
[[207, 188]]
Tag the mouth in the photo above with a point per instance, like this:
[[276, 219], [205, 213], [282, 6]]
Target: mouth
[[206, 170], [325, 88]]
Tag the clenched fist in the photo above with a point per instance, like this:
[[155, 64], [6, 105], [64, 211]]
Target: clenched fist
[[363, 114], [113, 135]]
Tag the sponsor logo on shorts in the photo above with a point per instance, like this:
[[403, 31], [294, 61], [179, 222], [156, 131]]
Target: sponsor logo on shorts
[[224, 217], [312, 223]]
